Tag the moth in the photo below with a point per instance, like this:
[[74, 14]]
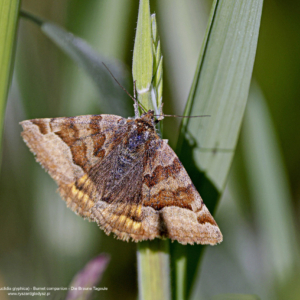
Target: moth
[[120, 174]]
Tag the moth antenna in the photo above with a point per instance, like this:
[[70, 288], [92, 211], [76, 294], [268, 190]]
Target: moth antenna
[[163, 115], [136, 103]]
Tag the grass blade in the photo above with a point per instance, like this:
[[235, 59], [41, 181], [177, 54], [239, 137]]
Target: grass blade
[[220, 89], [9, 13], [269, 189], [114, 99], [153, 270], [142, 65], [153, 257]]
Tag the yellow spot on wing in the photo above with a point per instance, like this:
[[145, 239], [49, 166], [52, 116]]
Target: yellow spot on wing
[[129, 223], [83, 179], [123, 221], [136, 210], [83, 197]]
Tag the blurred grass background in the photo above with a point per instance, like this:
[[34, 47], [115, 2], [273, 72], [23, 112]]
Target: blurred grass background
[[45, 244]]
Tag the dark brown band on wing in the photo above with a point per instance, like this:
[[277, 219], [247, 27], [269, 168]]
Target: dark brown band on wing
[[98, 142], [42, 125], [69, 133], [183, 197], [95, 123], [162, 173], [79, 153], [206, 219]]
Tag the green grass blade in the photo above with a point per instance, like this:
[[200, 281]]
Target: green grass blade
[[142, 65], [182, 28], [114, 99], [220, 89], [269, 189], [153, 270], [91, 62], [9, 13], [157, 80], [153, 259]]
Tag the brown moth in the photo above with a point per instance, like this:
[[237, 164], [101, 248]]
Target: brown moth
[[119, 173]]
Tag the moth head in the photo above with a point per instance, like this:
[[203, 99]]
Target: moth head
[[148, 117], [146, 121]]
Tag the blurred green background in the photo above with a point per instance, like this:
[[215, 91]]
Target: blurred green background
[[44, 244]]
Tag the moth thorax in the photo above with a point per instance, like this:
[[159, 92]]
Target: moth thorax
[[136, 140]]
